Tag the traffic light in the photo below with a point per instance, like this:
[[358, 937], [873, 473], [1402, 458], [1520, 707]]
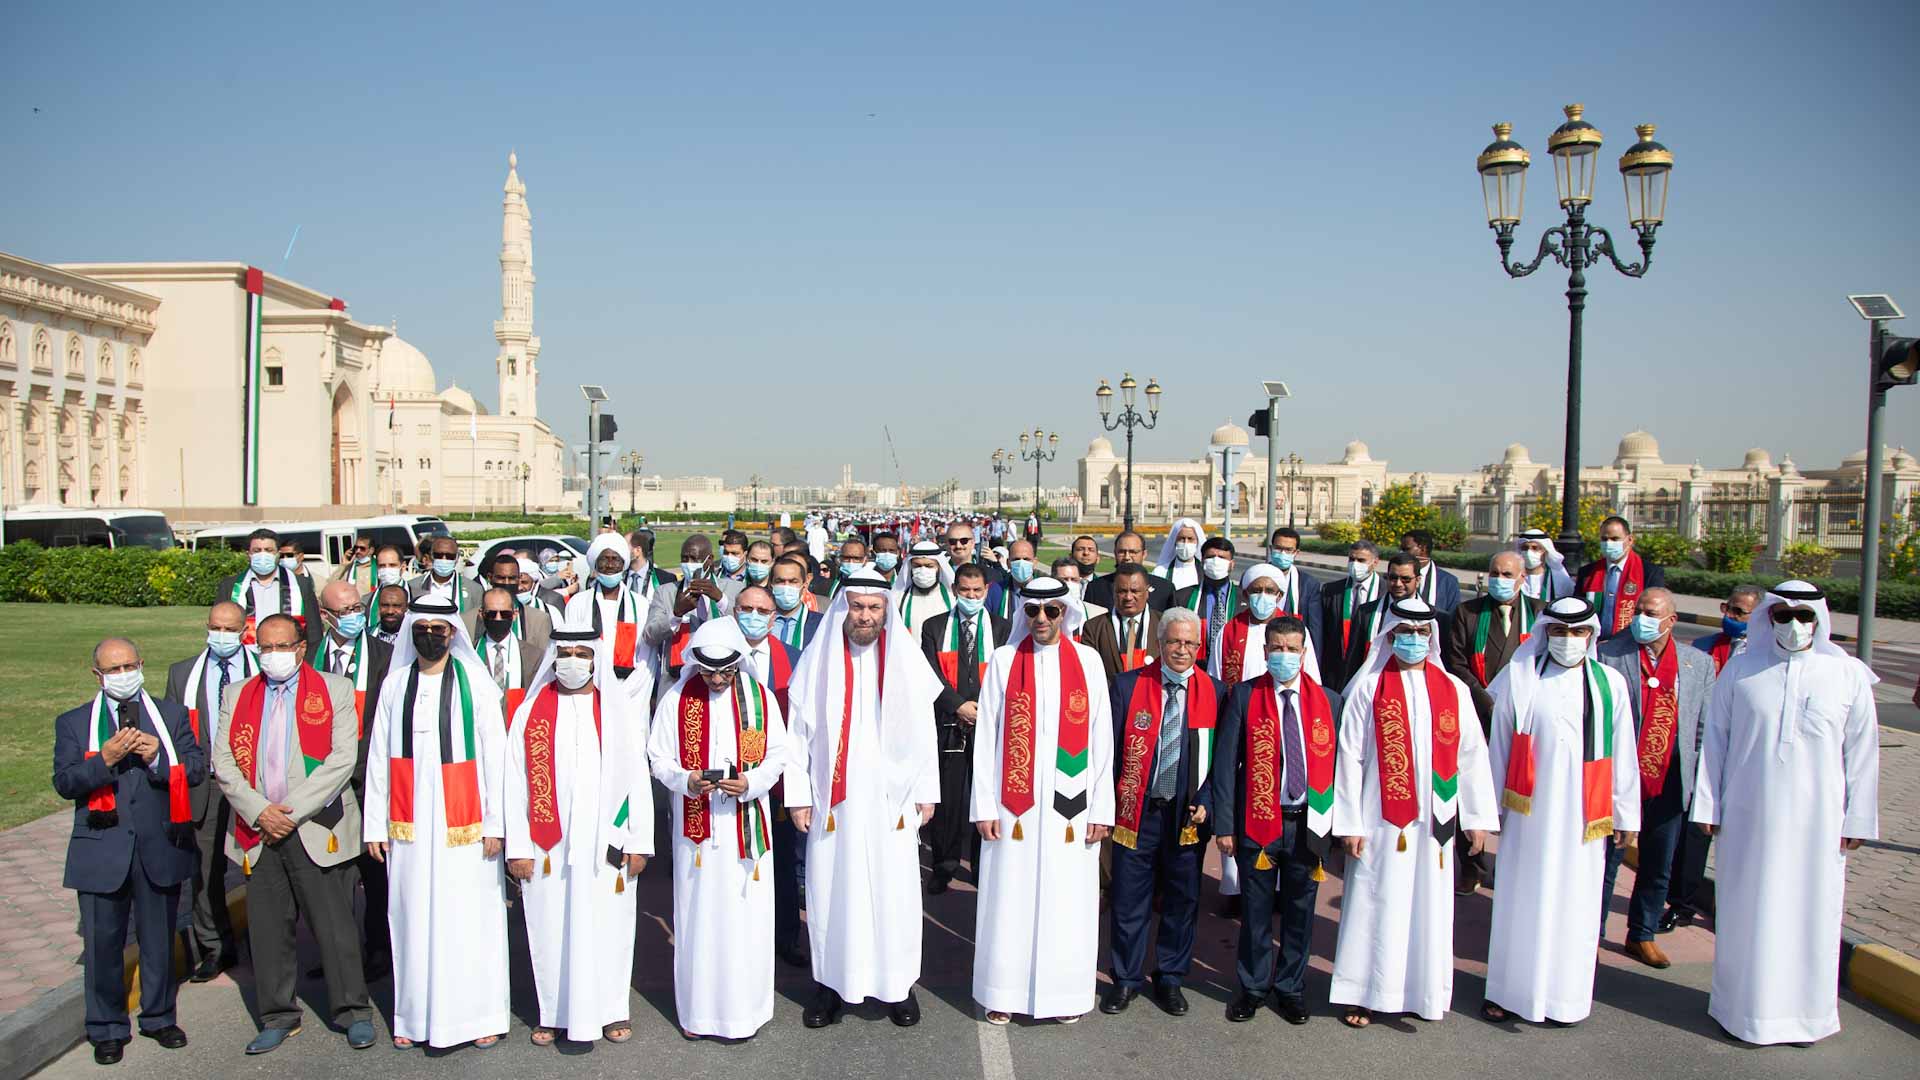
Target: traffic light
[[607, 428], [1896, 363], [1257, 423]]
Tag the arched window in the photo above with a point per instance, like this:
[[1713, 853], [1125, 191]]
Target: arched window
[[7, 355], [42, 350], [76, 358], [133, 366], [103, 367], [513, 366], [31, 481]]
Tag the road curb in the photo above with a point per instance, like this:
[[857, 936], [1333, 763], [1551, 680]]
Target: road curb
[[1881, 974]]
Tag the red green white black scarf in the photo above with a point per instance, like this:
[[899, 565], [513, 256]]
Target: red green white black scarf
[[102, 803], [459, 764], [1598, 715], [1018, 738]]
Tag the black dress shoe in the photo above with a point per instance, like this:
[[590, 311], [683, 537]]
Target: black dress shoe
[[905, 1012], [1117, 998], [108, 1051], [375, 965], [206, 970], [1243, 1008], [1230, 907], [794, 955], [169, 1037], [1170, 999], [1291, 1009], [938, 884], [825, 1009], [1674, 918]]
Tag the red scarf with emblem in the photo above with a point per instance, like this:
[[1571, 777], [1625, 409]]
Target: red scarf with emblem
[[1393, 739], [313, 726], [1017, 738], [1265, 755], [543, 808], [1140, 743], [1632, 581], [837, 790], [1660, 712]]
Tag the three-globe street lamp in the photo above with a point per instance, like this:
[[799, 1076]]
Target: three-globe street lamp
[[1002, 466], [1575, 147], [526, 471], [630, 463], [1129, 418], [1294, 461], [754, 482], [1045, 448]]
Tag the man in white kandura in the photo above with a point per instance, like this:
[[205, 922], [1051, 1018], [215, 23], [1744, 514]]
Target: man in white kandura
[[1412, 774], [579, 829], [1042, 801], [1563, 742], [718, 746], [617, 610], [1789, 782], [1179, 560], [926, 589], [865, 759], [436, 766]]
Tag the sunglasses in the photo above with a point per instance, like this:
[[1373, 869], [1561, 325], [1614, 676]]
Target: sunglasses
[[1054, 611], [1786, 615]]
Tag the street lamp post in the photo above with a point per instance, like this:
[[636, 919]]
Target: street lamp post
[[526, 471], [630, 463], [1575, 147], [1045, 448], [1002, 466], [754, 482], [596, 396], [1294, 461], [1129, 418]]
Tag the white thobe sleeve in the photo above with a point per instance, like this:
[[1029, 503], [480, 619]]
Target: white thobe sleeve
[[761, 778], [639, 828], [1350, 817], [1860, 762], [1626, 759], [1479, 805], [520, 843], [799, 777], [1707, 781], [925, 789], [491, 729], [663, 748], [1100, 742], [1500, 749], [373, 811], [985, 797]]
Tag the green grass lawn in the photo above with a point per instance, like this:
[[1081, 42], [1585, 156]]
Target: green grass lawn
[[49, 653]]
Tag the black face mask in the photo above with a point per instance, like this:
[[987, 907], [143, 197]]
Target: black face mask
[[391, 623], [1086, 568], [497, 628], [431, 647]]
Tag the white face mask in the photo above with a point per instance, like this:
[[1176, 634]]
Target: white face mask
[[1567, 651], [1533, 558], [388, 575], [573, 671], [1358, 570], [1184, 550], [122, 685], [1793, 636], [1217, 567], [279, 666], [924, 577]]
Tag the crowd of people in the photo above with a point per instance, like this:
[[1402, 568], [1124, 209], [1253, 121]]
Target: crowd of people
[[812, 709]]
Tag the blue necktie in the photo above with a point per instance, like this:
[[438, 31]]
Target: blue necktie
[[1612, 597], [1294, 784]]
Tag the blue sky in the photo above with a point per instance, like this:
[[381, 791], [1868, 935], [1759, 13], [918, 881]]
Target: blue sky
[[770, 231]]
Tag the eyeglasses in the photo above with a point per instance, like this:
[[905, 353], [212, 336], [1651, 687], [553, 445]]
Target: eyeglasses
[[291, 646], [722, 673], [430, 631], [498, 616], [1782, 616], [356, 609], [958, 541], [1054, 611]]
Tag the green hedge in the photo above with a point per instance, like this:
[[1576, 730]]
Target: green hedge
[[129, 577]]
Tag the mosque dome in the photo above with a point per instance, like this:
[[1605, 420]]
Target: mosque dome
[[404, 368], [1637, 447], [1356, 454], [1100, 447], [1230, 434], [1516, 455], [1757, 459], [462, 401]]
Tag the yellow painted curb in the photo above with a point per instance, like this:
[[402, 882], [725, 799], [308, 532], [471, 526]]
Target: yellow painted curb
[[1887, 977]]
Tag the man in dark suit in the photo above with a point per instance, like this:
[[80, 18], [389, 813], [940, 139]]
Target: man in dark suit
[[1344, 613], [1439, 588], [530, 624], [376, 947], [961, 550], [1481, 638], [958, 644], [443, 578], [1130, 549], [1402, 582], [264, 588], [1215, 599], [196, 684], [787, 581], [1276, 825], [1162, 813], [1126, 635], [510, 658], [127, 762], [1299, 592], [1614, 582]]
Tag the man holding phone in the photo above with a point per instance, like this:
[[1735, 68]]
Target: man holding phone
[[681, 607]]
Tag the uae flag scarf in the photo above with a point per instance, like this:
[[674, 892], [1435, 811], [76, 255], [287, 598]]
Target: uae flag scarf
[[103, 810], [1393, 741], [1484, 627], [749, 700], [313, 727], [1597, 717], [1632, 579], [1266, 756], [1018, 738], [291, 602], [627, 618], [837, 788], [1140, 747], [459, 769]]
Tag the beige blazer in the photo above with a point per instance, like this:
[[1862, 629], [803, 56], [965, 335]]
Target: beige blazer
[[307, 793]]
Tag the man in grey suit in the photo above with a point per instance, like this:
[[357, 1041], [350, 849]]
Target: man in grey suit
[[197, 685], [290, 737], [443, 579], [679, 607], [1671, 687]]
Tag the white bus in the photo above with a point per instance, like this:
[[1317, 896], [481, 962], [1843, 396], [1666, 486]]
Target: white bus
[[71, 526]]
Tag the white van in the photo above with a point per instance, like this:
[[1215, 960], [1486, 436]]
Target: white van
[[71, 526], [326, 544]]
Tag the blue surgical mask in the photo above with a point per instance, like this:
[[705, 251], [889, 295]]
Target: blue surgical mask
[[847, 569], [444, 567], [263, 562], [223, 643], [1645, 628], [352, 624], [1020, 570], [550, 567], [289, 563], [1261, 605], [1284, 666], [1614, 550], [754, 624], [1281, 560], [387, 575], [786, 597], [969, 605], [691, 570], [886, 561], [731, 563], [1409, 648], [757, 571], [1502, 589], [1733, 628], [609, 581]]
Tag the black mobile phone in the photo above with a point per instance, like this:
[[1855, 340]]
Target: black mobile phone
[[714, 776]]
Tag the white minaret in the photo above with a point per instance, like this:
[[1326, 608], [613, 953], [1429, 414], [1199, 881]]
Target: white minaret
[[519, 349]]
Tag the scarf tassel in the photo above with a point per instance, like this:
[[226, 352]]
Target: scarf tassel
[[1069, 832], [829, 821], [246, 864], [1402, 845], [1443, 858], [620, 883], [1319, 872], [333, 846], [546, 866], [901, 824], [1263, 863], [756, 869], [696, 853], [1017, 834]]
